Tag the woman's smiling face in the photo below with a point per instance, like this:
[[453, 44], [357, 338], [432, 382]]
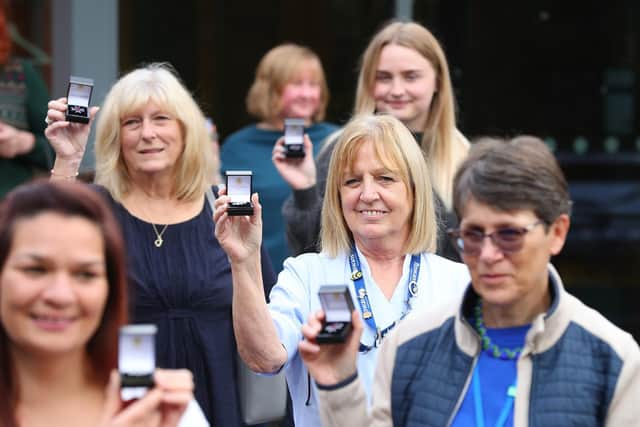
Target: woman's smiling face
[[53, 287], [376, 203]]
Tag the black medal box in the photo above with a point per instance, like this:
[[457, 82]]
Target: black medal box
[[78, 99], [337, 306], [294, 138], [136, 360], [239, 189]]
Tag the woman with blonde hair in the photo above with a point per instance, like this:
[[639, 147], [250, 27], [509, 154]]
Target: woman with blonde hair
[[378, 235], [289, 83], [154, 164], [518, 349], [404, 73]]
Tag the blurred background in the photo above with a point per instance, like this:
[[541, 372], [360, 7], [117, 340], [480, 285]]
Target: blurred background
[[565, 71]]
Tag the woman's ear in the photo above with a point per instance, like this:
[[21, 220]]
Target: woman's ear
[[558, 230]]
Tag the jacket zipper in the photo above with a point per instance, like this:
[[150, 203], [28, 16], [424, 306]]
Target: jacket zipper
[[468, 380], [464, 392]]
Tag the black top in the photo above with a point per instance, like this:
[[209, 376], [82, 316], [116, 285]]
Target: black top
[[184, 287]]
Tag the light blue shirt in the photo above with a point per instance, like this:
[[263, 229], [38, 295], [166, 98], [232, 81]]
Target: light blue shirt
[[295, 295]]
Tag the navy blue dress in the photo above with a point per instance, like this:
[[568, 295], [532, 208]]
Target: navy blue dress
[[184, 287]]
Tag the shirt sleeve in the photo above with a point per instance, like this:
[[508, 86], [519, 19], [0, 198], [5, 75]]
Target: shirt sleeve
[[290, 303]]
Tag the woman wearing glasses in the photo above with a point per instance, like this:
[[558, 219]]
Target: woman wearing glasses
[[518, 350], [378, 236]]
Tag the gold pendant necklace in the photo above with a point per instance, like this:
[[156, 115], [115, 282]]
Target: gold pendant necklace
[[158, 242]]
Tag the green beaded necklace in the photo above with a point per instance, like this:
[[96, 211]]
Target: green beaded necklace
[[492, 349]]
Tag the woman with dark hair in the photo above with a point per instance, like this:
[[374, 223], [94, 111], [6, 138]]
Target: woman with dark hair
[[23, 103], [517, 349], [62, 302]]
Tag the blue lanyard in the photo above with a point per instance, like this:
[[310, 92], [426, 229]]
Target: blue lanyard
[[363, 297], [477, 400]]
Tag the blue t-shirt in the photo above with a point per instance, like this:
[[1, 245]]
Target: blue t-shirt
[[250, 148], [496, 376]]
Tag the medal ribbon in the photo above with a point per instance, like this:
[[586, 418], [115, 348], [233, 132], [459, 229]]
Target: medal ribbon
[[363, 297]]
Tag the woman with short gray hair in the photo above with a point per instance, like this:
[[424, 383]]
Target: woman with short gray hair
[[518, 349]]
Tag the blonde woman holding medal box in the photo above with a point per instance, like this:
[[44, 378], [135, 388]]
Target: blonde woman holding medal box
[[404, 73], [154, 166], [378, 237], [517, 349]]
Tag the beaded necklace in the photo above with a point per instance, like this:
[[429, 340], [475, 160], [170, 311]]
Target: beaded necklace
[[492, 349]]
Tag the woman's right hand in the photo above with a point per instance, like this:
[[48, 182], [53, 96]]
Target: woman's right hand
[[68, 140], [239, 236], [162, 406], [330, 364]]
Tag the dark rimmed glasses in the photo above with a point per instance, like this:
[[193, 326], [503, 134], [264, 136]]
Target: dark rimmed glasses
[[469, 241]]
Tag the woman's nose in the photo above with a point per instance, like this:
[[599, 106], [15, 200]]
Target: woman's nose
[[59, 291], [397, 88], [489, 251], [369, 192], [148, 130]]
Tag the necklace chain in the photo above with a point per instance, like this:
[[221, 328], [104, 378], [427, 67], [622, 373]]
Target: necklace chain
[[491, 348], [159, 241]]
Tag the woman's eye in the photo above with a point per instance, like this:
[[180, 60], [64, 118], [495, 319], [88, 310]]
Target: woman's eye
[[86, 275], [387, 178], [34, 269], [472, 235], [130, 122], [350, 182], [412, 76], [383, 77], [509, 233]]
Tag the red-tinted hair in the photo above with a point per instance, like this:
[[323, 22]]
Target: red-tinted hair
[[69, 199], [5, 38]]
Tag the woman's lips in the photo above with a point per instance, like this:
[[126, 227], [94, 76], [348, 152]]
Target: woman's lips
[[151, 150], [493, 279], [53, 323]]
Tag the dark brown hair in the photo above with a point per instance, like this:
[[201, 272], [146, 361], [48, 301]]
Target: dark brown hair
[[69, 199], [508, 175]]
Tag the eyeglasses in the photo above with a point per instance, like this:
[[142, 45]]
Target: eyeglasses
[[507, 239]]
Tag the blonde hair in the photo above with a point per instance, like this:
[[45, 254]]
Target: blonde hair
[[444, 146], [278, 67], [155, 83], [396, 149]]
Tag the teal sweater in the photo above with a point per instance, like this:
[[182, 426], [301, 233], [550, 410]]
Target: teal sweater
[[23, 105], [250, 149]]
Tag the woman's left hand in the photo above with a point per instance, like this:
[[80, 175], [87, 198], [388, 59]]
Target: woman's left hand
[[330, 364], [299, 173], [239, 236], [162, 406]]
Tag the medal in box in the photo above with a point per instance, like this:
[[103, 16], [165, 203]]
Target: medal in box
[[78, 99], [136, 360], [239, 188], [294, 138], [337, 306]]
